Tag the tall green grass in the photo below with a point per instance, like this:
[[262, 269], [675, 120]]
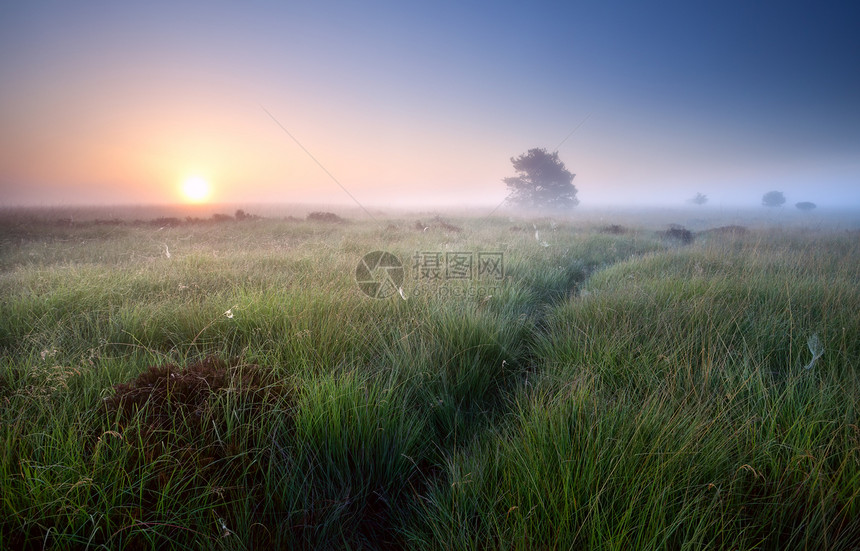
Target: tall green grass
[[672, 410], [613, 391]]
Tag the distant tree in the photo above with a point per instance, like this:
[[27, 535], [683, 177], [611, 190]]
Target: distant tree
[[773, 199], [805, 205], [700, 199], [542, 181]]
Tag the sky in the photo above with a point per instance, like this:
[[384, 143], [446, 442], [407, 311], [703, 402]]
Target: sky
[[413, 104]]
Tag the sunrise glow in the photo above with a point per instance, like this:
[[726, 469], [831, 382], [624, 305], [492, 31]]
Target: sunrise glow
[[419, 104], [196, 189]]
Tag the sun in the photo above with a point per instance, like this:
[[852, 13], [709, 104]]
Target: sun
[[196, 189]]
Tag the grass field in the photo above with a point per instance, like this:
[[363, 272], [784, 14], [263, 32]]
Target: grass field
[[229, 386]]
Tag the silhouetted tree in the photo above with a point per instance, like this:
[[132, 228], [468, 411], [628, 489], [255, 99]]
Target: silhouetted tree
[[805, 205], [699, 199], [542, 181], [773, 199]]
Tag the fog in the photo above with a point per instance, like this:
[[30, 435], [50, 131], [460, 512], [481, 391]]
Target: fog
[[418, 107]]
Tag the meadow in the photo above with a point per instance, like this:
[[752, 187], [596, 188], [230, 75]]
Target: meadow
[[227, 384]]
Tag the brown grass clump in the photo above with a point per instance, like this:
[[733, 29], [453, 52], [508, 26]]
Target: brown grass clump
[[329, 217], [168, 407], [728, 230], [613, 229], [437, 223], [174, 410], [678, 233], [161, 392], [175, 426], [161, 389]]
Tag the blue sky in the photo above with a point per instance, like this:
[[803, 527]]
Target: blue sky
[[403, 103]]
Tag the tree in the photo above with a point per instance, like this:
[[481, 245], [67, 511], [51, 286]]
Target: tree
[[805, 205], [542, 181], [773, 199], [700, 199]]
